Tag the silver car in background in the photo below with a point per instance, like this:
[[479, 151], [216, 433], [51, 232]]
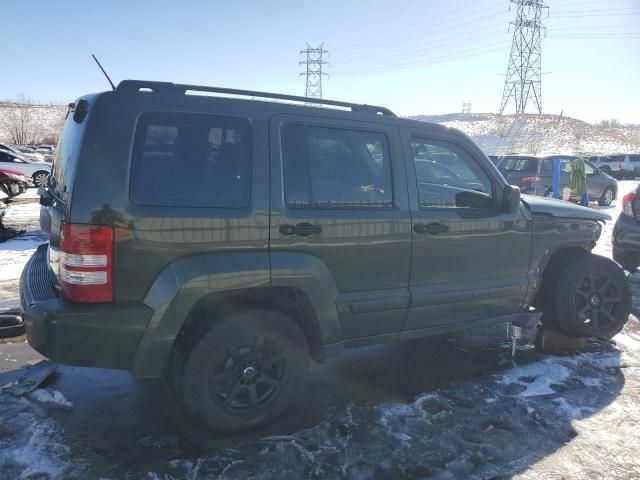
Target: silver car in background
[[534, 176]]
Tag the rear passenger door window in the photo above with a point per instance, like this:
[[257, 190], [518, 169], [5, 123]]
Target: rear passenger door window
[[187, 160], [330, 168], [447, 177]]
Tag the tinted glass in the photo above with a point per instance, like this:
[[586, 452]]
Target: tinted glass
[[518, 164], [634, 158], [447, 176], [191, 161], [336, 168]]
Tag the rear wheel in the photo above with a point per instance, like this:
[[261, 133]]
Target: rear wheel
[[245, 371], [40, 178], [592, 298]]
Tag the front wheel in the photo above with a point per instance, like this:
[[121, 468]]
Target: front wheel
[[592, 298], [40, 178], [606, 199], [245, 371]]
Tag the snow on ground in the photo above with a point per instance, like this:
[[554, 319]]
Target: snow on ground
[[22, 214], [575, 416]]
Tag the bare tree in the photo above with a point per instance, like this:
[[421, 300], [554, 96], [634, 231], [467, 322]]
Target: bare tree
[[24, 126], [611, 123]]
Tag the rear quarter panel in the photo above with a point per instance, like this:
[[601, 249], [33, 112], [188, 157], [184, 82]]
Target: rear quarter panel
[[150, 238]]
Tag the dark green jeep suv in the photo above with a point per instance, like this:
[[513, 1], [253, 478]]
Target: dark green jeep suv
[[220, 239]]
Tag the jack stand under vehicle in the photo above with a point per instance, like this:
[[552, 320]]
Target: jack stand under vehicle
[[524, 331]]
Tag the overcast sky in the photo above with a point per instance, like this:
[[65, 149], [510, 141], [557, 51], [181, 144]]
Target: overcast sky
[[414, 56]]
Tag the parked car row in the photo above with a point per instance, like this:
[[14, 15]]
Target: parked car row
[[619, 166], [36, 172], [534, 176]]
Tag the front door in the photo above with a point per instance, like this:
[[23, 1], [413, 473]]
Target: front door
[[470, 259], [339, 196]]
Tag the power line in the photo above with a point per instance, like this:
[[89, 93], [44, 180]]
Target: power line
[[407, 35], [596, 10], [595, 15], [419, 51], [583, 3], [426, 62], [313, 71], [602, 37], [403, 29], [524, 69], [466, 108]]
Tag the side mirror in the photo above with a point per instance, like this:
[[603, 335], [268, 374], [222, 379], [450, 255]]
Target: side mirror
[[510, 199]]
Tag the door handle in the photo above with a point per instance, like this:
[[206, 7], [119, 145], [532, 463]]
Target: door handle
[[432, 227], [303, 229]]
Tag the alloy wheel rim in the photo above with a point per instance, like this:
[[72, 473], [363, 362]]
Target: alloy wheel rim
[[41, 179], [596, 301], [248, 374], [608, 197]]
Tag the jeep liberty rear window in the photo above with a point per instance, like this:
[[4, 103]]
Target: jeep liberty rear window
[[336, 168], [187, 160]]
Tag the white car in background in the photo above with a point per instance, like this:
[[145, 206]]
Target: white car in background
[[632, 158], [37, 172], [33, 156], [613, 165]]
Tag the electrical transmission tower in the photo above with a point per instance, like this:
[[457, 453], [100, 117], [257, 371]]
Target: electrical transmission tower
[[466, 107], [313, 72], [524, 76]]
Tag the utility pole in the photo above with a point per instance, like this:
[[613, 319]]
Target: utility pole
[[523, 81], [466, 107], [313, 71]]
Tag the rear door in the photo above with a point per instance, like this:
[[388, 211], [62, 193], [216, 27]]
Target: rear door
[[470, 259], [339, 194]]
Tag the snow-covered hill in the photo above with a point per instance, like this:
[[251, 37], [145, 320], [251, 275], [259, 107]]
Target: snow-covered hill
[[496, 134], [541, 134]]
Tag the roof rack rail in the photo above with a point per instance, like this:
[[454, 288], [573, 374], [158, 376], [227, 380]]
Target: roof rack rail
[[167, 87]]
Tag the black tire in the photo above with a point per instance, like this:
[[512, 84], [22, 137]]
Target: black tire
[[604, 201], [592, 298], [227, 382], [40, 178], [628, 261]]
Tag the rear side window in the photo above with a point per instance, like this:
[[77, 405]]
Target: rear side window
[[517, 164], [186, 160], [336, 168]]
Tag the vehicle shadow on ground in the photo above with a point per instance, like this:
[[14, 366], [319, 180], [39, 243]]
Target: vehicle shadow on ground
[[437, 407]]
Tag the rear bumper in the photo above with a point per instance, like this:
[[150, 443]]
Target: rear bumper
[[93, 335]]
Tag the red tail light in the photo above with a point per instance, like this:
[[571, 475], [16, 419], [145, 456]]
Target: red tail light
[[627, 204], [530, 180], [86, 263]]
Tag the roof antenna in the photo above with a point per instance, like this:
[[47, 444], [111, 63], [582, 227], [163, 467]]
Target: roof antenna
[[105, 73]]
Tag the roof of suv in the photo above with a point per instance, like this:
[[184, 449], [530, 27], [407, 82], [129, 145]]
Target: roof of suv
[[285, 103], [176, 88]]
